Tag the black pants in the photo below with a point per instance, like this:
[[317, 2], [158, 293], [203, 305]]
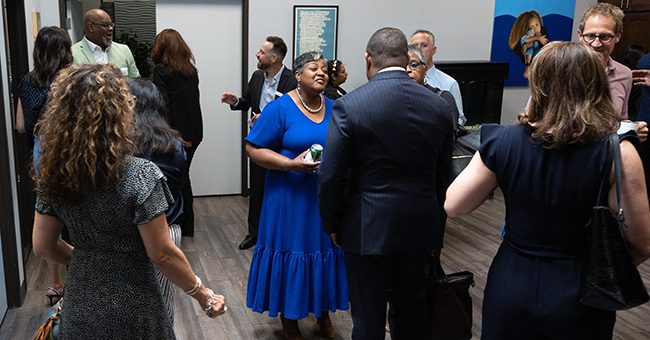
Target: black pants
[[257, 178], [187, 226], [529, 297], [373, 280]]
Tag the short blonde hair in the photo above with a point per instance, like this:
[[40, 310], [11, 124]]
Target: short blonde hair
[[605, 9], [570, 97]]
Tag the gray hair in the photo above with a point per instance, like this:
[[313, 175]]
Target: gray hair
[[432, 37], [415, 49], [306, 58]]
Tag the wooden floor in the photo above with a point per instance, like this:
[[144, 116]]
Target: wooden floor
[[470, 244]]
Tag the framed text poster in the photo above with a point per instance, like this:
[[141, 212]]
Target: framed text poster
[[315, 28]]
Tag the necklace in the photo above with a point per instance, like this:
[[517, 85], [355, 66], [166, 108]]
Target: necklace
[[302, 101]]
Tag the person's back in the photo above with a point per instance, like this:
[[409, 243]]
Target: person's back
[[404, 137], [548, 193], [382, 180], [550, 167]]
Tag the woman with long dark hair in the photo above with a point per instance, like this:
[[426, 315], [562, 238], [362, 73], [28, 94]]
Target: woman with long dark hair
[[52, 53], [114, 205], [156, 141], [176, 76]]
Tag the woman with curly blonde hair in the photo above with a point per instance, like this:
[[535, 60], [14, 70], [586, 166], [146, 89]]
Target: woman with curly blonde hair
[[114, 206]]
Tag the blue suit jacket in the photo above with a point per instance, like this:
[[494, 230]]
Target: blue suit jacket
[[386, 167]]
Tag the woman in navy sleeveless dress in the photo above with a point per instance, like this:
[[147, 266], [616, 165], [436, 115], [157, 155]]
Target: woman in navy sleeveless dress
[[549, 168], [296, 269]]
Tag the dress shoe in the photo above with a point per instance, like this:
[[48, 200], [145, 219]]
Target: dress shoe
[[325, 328], [248, 242], [290, 329]]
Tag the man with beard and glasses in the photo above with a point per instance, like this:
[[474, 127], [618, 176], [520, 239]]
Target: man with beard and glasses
[[98, 47]]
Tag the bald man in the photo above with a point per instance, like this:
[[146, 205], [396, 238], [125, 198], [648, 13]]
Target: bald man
[[97, 46]]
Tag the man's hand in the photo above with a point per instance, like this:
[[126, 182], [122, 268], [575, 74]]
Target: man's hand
[[254, 118], [333, 236], [641, 77], [228, 98], [642, 132]]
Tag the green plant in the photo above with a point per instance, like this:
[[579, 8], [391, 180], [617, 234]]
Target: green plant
[[141, 52]]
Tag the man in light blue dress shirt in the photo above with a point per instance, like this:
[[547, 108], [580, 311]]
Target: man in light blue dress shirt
[[426, 42], [271, 80]]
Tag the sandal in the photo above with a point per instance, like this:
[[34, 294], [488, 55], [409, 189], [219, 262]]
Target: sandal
[[54, 295]]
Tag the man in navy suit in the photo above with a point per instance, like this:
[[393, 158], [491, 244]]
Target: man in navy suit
[[385, 169], [271, 80]]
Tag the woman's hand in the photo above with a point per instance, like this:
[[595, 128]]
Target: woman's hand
[[300, 164], [212, 304]]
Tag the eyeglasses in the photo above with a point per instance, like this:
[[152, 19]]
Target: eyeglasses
[[413, 64], [590, 37], [106, 25]]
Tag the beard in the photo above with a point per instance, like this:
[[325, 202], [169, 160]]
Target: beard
[[262, 66]]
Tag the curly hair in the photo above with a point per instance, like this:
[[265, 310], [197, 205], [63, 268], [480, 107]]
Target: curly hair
[[570, 99], [604, 9], [84, 132]]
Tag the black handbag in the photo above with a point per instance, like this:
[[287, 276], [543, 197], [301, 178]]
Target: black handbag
[[449, 302], [610, 280]]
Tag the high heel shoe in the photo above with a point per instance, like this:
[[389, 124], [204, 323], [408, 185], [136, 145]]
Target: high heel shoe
[[290, 329], [325, 328], [54, 295]]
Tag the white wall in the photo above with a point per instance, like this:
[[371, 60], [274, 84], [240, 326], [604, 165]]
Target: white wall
[[212, 29], [463, 30], [75, 14], [49, 11]]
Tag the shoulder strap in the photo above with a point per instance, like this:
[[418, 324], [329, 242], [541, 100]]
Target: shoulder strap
[[603, 191], [617, 174], [613, 156]]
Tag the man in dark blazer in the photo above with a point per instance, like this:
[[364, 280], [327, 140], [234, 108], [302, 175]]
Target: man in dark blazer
[[270, 81], [385, 169]]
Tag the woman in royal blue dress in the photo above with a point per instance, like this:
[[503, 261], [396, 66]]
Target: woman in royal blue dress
[[296, 269]]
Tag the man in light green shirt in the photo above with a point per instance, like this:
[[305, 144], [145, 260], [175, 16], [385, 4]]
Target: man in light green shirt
[[97, 45]]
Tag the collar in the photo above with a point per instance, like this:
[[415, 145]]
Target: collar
[[610, 68], [392, 68], [94, 46], [277, 76]]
